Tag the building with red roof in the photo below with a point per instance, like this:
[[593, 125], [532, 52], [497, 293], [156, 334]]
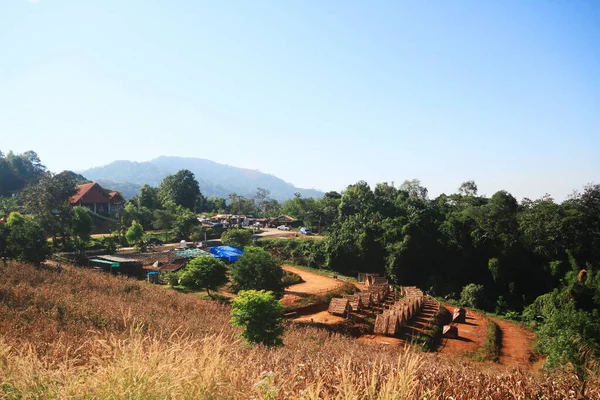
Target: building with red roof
[[97, 199]]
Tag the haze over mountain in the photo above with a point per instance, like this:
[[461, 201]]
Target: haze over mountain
[[215, 179]]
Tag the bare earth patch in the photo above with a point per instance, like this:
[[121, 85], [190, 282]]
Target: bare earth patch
[[313, 284], [471, 335]]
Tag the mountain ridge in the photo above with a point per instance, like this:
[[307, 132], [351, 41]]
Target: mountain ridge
[[215, 179]]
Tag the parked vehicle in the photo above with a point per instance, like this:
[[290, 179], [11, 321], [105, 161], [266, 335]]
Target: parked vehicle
[[305, 231], [283, 228], [217, 225]]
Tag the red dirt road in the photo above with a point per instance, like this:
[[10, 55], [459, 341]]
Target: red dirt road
[[313, 284], [516, 344], [516, 341]]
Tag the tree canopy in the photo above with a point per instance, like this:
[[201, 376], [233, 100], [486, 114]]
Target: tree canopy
[[257, 269], [181, 188]]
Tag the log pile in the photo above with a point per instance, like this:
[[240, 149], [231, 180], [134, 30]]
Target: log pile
[[393, 319]]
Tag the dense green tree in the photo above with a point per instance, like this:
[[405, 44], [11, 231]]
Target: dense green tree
[[148, 197], [216, 205], [134, 212], [237, 237], [25, 240], [181, 188], [135, 235], [204, 273], [8, 205], [473, 296], [18, 171], [49, 202], [257, 269], [81, 228], [260, 315]]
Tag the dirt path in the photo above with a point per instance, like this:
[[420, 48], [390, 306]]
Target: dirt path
[[516, 344], [471, 335], [322, 317], [516, 341], [313, 284]]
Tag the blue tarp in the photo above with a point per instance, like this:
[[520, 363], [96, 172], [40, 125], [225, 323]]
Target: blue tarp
[[228, 253]]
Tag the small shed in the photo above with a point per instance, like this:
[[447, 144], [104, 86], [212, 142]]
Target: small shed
[[355, 302], [393, 327], [340, 307], [459, 315], [450, 331], [381, 324], [366, 298]]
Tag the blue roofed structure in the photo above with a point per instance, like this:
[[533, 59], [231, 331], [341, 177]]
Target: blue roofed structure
[[228, 253]]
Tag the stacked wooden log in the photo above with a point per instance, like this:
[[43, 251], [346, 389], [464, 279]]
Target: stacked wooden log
[[355, 301], [393, 319], [366, 298]]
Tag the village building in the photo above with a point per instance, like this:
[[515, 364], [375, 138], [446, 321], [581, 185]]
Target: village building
[[97, 199], [285, 220]]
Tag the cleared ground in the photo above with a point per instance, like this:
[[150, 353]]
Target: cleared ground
[[471, 335], [313, 284]]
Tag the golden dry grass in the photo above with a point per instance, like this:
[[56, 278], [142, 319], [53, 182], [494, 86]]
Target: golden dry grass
[[84, 335]]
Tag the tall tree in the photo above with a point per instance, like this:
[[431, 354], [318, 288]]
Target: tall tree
[[81, 228], [48, 201], [181, 188]]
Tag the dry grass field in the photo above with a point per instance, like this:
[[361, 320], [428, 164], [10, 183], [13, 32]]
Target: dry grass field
[[70, 333]]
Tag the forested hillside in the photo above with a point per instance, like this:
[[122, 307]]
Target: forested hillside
[[537, 257], [216, 180]]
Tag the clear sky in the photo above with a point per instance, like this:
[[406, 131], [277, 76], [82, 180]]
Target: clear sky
[[319, 93]]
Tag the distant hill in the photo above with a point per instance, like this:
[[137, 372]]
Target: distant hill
[[215, 179]]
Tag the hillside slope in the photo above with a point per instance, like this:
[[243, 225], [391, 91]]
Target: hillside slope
[[69, 332], [215, 179]]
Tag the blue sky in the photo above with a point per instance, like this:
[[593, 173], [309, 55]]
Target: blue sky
[[319, 93]]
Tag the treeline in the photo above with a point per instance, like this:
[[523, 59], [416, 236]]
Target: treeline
[[537, 257]]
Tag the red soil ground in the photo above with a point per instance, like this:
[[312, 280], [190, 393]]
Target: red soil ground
[[516, 341], [516, 344], [313, 284], [322, 317], [471, 335]]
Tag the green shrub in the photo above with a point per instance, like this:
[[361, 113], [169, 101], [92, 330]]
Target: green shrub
[[204, 273], [260, 314], [237, 237], [472, 296], [291, 278]]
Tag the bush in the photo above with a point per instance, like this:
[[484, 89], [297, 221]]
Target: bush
[[237, 237], [135, 235], [472, 296], [291, 278], [260, 314], [171, 278], [24, 239], [256, 269]]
